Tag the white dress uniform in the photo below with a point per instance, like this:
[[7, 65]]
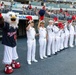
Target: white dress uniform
[[57, 38], [42, 42], [71, 32], [51, 40], [31, 44], [66, 36], [62, 38]]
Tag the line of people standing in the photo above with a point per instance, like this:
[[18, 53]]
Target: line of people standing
[[56, 36]]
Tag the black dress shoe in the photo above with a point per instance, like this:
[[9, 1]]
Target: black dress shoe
[[56, 53]]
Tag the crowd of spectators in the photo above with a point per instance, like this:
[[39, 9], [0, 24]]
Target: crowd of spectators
[[60, 14], [29, 10], [4, 8], [24, 10]]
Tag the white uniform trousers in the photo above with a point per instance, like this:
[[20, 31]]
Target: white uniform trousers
[[10, 54], [66, 41], [42, 44], [31, 44], [71, 40], [51, 46], [57, 43], [62, 38]]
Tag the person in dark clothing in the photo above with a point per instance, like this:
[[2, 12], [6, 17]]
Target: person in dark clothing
[[42, 13]]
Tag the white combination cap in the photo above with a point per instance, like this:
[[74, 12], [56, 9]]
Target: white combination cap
[[42, 21], [56, 22], [51, 21]]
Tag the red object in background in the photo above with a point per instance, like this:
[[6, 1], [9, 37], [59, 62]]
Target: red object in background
[[29, 17], [73, 17], [43, 7], [30, 7], [41, 17], [0, 15], [55, 19], [60, 25], [61, 10], [1, 21], [0, 5], [67, 14], [69, 21], [41, 14]]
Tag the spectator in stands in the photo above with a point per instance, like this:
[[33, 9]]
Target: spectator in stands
[[71, 5], [30, 10], [52, 12], [29, 6], [35, 10], [2, 6], [67, 15], [47, 13], [52, 15], [61, 10], [24, 9]]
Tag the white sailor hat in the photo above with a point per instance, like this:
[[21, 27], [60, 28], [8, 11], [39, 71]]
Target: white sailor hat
[[51, 21], [42, 21], [56, 22]]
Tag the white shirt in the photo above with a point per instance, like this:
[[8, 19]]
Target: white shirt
[[66, 30], [42, 32], [50, 31], [71, 29], [56, 30], [31, 33], [62, 34], [75, 29]]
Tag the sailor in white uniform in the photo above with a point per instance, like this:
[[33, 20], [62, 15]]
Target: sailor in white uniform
[[42, 39], [74, 24], [71, 32], [66, 35], [57, 37], [31, 42], [51, 39], [62, 38]]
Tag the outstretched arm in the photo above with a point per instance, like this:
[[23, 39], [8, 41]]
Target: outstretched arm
[[39, 24]]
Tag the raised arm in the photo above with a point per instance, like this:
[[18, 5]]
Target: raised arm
[[39, 24], [28, 27]]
